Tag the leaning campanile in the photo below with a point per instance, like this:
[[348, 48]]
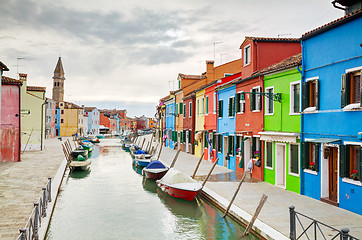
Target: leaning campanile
[[58, 79]]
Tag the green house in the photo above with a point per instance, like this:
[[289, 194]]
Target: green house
[[281, 135]]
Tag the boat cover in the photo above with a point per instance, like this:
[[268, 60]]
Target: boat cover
[[140, 152], [174, 176], [155, 164]]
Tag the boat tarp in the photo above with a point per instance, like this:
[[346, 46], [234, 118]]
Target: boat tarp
[[174, 176], [155, 164], [139, 151]]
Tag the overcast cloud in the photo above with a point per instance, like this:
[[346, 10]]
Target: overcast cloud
[[127, 54]]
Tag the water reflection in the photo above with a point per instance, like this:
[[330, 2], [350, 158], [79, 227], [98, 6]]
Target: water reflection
[[149, 185], [79, 174], [137, 169]]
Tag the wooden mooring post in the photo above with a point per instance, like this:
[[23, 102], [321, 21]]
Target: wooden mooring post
[[257, 211], [159, 153], [208, 175], [149, 149], [198, 164], [175, 158], [143, 143], [236, 192]]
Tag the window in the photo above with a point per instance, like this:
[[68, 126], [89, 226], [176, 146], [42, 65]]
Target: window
[[269, 155], [203, 106], [190, 109], [184, 110], [61, 104], [56, 120], [255, 146], [228, 74], [310, 156], [213, 140], [231, 107], [219, 143], [62, 111], [310, 91], [294, 159], [61, 120], [255, 99], [219, 108], [240, 102], [269, 103], [215, 99], [351, 89], [55, 84], [207, 105], [180, 107], [231, 145], [294, 97], [247, 55], [198, 107], [351, 161]]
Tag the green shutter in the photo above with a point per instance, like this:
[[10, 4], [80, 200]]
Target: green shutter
[[237, 145], [253, 146], [237, 102], [181, 108], [260, 99], [305, 95], [305, 155], [317, 94], [252, 101], [294, 166], [233, 107], [213, 140], [269, 154], [229, 145], [317, 148], [360, 161], [230, 107], [219, 108], [342, 161], [207, 105], [344, 99], [190, 132]]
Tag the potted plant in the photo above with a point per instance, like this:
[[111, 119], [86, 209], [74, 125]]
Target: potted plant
[[354, 174], [256, 154], [238, 151], [312, 166]]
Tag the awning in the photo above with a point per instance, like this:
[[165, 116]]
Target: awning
[[324, 140], [279, 137]]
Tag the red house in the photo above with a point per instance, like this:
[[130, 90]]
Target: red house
[[257, 53], [189, 122], [10, 120]]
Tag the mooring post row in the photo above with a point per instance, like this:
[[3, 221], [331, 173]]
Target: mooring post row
[[22, 233], [49, 189], [36, 221], [345, 235], [293, 233], [44, 202]]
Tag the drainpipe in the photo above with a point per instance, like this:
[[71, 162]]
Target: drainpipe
[[41, 127], [301, 115], [19, 122]]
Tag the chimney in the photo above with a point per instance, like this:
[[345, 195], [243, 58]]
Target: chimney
[[23, 76], [82, 106], [210, 71]]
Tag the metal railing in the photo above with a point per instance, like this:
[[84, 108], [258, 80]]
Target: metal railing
[[312, 229], [30, 231]]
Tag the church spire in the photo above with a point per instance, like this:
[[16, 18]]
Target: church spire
[[59, 71], [58, 82]]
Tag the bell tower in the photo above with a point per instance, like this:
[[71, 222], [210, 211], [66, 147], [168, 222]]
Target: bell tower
[[58, 79]]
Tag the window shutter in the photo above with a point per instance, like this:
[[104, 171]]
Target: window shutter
[[207, 105], [344, 99], [305, 95], [221, 107], [253, 146], [230, 107], [360, 100], [190, 132], [259, 99], [317, 148], [342, 161], [252, 101], [305, 155], [213, 140], [230, 145], [317, 94], [237, 102], [269, 152], [233, 106], [360, 163]]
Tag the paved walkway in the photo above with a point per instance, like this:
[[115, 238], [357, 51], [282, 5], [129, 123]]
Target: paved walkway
[[275, 212], [21, 185]]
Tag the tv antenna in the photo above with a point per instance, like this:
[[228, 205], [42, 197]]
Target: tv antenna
[[223, 54], [284, 34], [215, 43]]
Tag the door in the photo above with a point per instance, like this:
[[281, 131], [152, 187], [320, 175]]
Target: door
[[280, 166], [225, 150], [333, 173], [187, 141], [247, 152]]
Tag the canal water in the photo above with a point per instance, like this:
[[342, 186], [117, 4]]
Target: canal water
[[114, 201]]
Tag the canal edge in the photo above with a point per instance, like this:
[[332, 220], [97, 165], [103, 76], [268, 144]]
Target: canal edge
[[56, 183], [259, 228]]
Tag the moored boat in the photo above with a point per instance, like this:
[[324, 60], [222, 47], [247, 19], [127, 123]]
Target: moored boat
[[75, 153], [180, 185], [83, 165], [142, 161], [155, 170]]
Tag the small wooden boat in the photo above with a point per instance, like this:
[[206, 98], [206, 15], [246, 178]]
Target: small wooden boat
[[77, 152], [142, 161], [155, 170], [100, 136], [83, 165], [180, 185], [93, 139]]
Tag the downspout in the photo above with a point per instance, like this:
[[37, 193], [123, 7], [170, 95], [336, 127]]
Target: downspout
[[19, 122], [301, 114], [41, 127]]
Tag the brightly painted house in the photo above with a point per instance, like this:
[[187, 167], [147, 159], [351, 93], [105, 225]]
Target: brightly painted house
[[32, 116], [57, 121], [226, 122], [179, 120], [3, 68], [50, 118], [211, 120], [189, 122], [93, 120], [281, 135], [199, 122], [257, 53], [332, 112], [70, 119], [10, 120], [170, 122]]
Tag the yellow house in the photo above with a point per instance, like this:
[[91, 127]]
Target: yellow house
[[179, 119], [32, 112], [71, 119], [200, 122]]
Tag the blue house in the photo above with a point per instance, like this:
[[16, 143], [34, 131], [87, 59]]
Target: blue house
[[170, 115], [331, 130], [57, 122], [226, 125]]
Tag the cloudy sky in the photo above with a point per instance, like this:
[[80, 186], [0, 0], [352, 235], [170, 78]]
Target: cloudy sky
[[127, 54]]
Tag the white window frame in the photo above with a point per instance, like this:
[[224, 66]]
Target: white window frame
[[190, 109], [266, 156], [207, 109], [249, 55], [184, 112], [233, 97], [214, 104], [354, 106], [291, 100], [314, 108], [290, 155], [257, 97], [197, 107], [203, 106], [266, 101], [241, 103], [222, 109]]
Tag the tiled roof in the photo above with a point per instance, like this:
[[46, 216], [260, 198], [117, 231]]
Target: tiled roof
[[335, 23], [3, 66], [69, 105], [7, 80], [89, 109], [269, 39], [36, 88], [186, 76], [286, 63]]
